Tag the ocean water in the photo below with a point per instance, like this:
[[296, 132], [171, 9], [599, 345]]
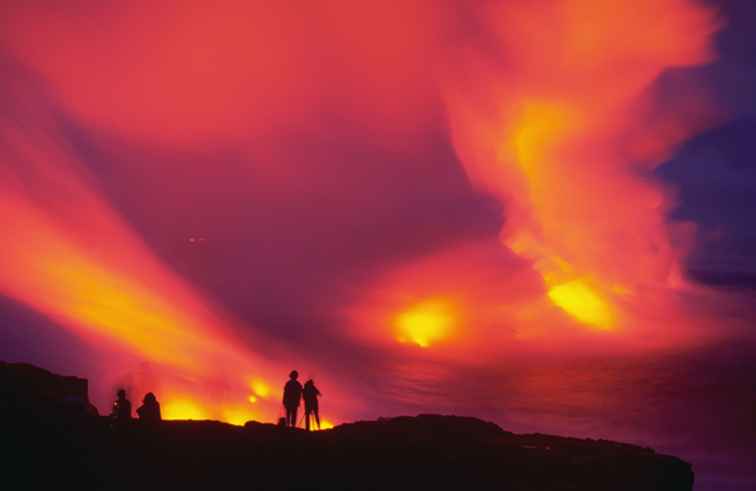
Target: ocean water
[[699, 406]]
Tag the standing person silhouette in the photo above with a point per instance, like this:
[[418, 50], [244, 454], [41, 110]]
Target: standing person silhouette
[[292, 395], [310, 394]]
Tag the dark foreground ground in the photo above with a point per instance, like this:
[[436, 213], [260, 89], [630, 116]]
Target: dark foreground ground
[[50, 435]]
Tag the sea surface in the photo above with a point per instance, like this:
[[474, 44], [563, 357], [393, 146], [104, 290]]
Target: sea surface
[[699, 406]]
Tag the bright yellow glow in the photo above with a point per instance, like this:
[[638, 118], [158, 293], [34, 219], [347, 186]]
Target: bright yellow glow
[[581, 302], [260, 388], [325, 424], [425, 323], [183, 409], [252, 399], [236, 416]]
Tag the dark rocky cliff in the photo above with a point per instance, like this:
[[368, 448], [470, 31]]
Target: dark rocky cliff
[[46, 434]]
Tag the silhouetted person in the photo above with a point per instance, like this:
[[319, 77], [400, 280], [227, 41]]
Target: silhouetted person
[[310, 394], [149, 411], [121, 408], [292, 395]]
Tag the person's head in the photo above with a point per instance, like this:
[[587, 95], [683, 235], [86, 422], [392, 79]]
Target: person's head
[[149, 398], [121, 394], [310, 382], [294, 375]]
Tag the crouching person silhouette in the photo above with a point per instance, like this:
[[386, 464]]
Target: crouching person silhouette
[[121, 408], [149, 411], [310, 394], [292, 395]]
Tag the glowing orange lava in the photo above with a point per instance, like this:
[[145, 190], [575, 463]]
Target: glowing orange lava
[[325, 425], [583, 303], [425, 323], [183, 408]]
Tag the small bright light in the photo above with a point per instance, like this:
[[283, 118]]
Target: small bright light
[[260, 388], [252, 399]]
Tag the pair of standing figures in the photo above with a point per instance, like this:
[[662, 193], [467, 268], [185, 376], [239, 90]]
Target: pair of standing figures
[[294, 393]]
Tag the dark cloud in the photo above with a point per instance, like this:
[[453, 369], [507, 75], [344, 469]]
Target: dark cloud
[[715, 178]]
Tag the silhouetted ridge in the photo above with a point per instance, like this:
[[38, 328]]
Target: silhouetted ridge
[[21, 381], [427, 451]]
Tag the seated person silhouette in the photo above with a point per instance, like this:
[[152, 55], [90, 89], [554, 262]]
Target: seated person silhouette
[[292, 395], [310, 394], [149, 411], [121, 408]]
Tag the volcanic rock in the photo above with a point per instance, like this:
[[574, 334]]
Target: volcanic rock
[[46, 436]]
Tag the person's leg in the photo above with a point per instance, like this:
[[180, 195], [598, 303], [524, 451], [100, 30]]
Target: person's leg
[[290, 417], [294, 417], [307, 419], [317, 416]]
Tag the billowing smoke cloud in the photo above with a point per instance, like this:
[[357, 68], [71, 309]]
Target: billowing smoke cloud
[[562, 110], [192, 74], [560, 119]]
